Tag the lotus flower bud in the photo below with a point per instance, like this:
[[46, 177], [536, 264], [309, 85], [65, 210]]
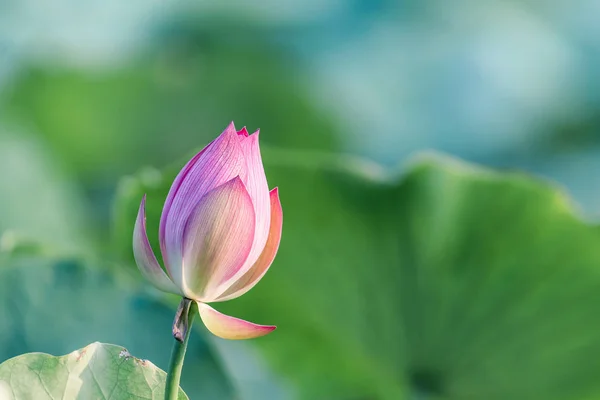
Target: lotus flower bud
[[219, 231]]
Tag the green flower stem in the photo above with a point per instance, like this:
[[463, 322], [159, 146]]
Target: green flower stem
[[181, 331]]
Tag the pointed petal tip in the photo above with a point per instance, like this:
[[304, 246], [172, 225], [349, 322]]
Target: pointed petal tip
[[237, 181], [230, 129], [255, 135], [231, 328], [243, 132], [143, 206]]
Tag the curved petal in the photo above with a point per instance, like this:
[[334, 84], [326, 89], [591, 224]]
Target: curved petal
[[217, 163], [261, 266], [227, 327], [253, 176], [217, 239], [144, 256]]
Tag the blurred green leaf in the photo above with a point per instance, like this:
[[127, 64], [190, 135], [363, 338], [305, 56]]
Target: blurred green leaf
[[54, 306], [37, 201], [184, 91], [453, 282], [97, 371]]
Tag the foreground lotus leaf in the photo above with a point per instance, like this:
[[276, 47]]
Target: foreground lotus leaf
[[96, 303], [97, 371]]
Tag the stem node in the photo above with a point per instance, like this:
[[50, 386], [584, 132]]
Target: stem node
[[181, 332]]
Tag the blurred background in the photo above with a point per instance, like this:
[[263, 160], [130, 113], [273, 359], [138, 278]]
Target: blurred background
[[95, 91]]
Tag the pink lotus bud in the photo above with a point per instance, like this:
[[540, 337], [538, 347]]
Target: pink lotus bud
[[219, 231]]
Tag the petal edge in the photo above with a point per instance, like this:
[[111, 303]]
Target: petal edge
[[145, 258], [231, 328], [254, 178], [261, 266], [219, 162], [217, 239]]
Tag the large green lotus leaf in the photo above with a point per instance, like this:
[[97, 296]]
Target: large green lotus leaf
[[97, 371], [450, 282], [183, 91], [54, 306]]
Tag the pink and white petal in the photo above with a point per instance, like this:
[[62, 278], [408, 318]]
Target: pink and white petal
[[217, 163], [175, 187], [144, 256], [217, 239], [256, 183], [232, 328], [261, 266]]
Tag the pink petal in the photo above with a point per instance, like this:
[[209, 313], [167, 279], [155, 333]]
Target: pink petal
[[217, 239], [261, 266], [217, 163], [144, 256], [227, 327], [253, 176]]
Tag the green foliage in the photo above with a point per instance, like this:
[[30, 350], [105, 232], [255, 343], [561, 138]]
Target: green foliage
[[183, 92], [98, 371], [55, 306], [37, 202], [452, 282]]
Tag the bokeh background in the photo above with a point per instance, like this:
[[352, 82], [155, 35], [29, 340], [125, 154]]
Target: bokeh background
[[102, 101]]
